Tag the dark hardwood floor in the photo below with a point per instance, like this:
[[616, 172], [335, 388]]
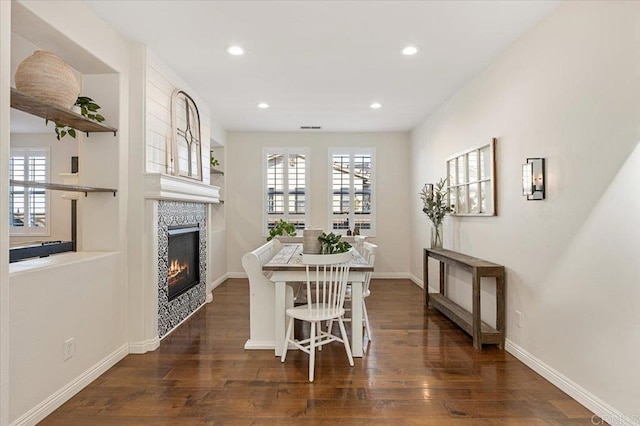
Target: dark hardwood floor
[[419, 369]]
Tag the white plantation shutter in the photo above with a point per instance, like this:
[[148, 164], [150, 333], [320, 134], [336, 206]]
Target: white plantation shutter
[[351, 197], [286, 179], [29, 207]]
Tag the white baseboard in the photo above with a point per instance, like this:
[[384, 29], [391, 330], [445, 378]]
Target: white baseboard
[[417, 281], [236, 275], [605, 411], [219, 281], [378, 275], [259, 344], [144, 346], [61, 396], [390, 275]]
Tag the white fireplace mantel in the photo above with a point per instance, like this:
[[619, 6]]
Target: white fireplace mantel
[[159, 186]]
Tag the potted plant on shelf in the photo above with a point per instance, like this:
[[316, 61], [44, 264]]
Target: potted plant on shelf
[[281, 228], [434, 201], [88, 108]]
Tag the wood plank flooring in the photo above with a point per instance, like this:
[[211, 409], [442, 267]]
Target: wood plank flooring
[[419, 369]]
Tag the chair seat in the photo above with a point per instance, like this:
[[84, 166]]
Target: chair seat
[[316, 313]]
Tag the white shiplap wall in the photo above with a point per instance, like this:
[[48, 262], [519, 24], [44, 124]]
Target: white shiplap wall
[[161, 81]]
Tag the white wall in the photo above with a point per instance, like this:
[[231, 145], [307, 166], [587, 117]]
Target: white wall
[[568, 91], [243, 199], [39, 304], [153, 83], [60, 153], [42, 320], [161, 81], [5, 68]]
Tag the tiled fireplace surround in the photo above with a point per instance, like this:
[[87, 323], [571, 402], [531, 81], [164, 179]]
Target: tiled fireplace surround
[[171, 214], [174, 201]]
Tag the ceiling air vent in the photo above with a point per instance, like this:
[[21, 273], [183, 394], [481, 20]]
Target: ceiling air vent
[[311, 127]]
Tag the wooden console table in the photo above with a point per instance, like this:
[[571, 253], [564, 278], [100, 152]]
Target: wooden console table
[[468, 321]]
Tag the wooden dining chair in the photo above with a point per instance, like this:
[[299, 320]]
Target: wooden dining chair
[[326, 287]]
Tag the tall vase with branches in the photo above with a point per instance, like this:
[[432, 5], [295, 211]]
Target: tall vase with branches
[[435, 206]]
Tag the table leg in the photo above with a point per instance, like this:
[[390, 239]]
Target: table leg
[[500, 309], [477, 331], [356, 318], [280, 316], [425, 276]]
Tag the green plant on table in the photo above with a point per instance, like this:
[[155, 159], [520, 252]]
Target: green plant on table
[[281, 228], [88, 108], [434, 201], [214, 161], [331, 244]]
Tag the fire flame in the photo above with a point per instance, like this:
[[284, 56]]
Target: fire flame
[[176, 268]]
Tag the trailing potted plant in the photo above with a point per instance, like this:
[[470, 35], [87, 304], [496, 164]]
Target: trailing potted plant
[[88, 109], [281, 228], [434, 201]]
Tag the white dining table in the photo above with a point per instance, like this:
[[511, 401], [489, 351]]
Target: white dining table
[[286, 266]]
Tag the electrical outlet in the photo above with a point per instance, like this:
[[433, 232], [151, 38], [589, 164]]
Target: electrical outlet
[[518, 318], [69, 348]]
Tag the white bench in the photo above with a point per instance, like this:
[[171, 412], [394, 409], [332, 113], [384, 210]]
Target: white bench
[[262, 296]]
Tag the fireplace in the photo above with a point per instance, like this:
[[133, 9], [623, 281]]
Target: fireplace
[[183, 259]]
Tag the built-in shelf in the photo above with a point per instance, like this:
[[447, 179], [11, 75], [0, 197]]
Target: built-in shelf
[[56, 114], [216, 171], [60, 187]]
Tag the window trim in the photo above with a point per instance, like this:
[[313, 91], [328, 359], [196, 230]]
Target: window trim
[[351, 151], [26, 231], [307, 181]]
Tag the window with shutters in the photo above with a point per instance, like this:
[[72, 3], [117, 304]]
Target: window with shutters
[[286, 179], [29, 207], [352, 193]]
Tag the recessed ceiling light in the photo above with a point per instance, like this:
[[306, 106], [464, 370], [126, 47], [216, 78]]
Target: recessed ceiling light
[[235, 50], [263, 105], [376, 105], [410, 50]]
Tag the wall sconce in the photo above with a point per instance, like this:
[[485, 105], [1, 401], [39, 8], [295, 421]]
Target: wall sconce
[[533, 179]]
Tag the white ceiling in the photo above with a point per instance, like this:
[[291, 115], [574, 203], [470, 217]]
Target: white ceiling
[[322, 63]]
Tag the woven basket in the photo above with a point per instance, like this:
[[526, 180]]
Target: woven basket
[[46, 77]]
